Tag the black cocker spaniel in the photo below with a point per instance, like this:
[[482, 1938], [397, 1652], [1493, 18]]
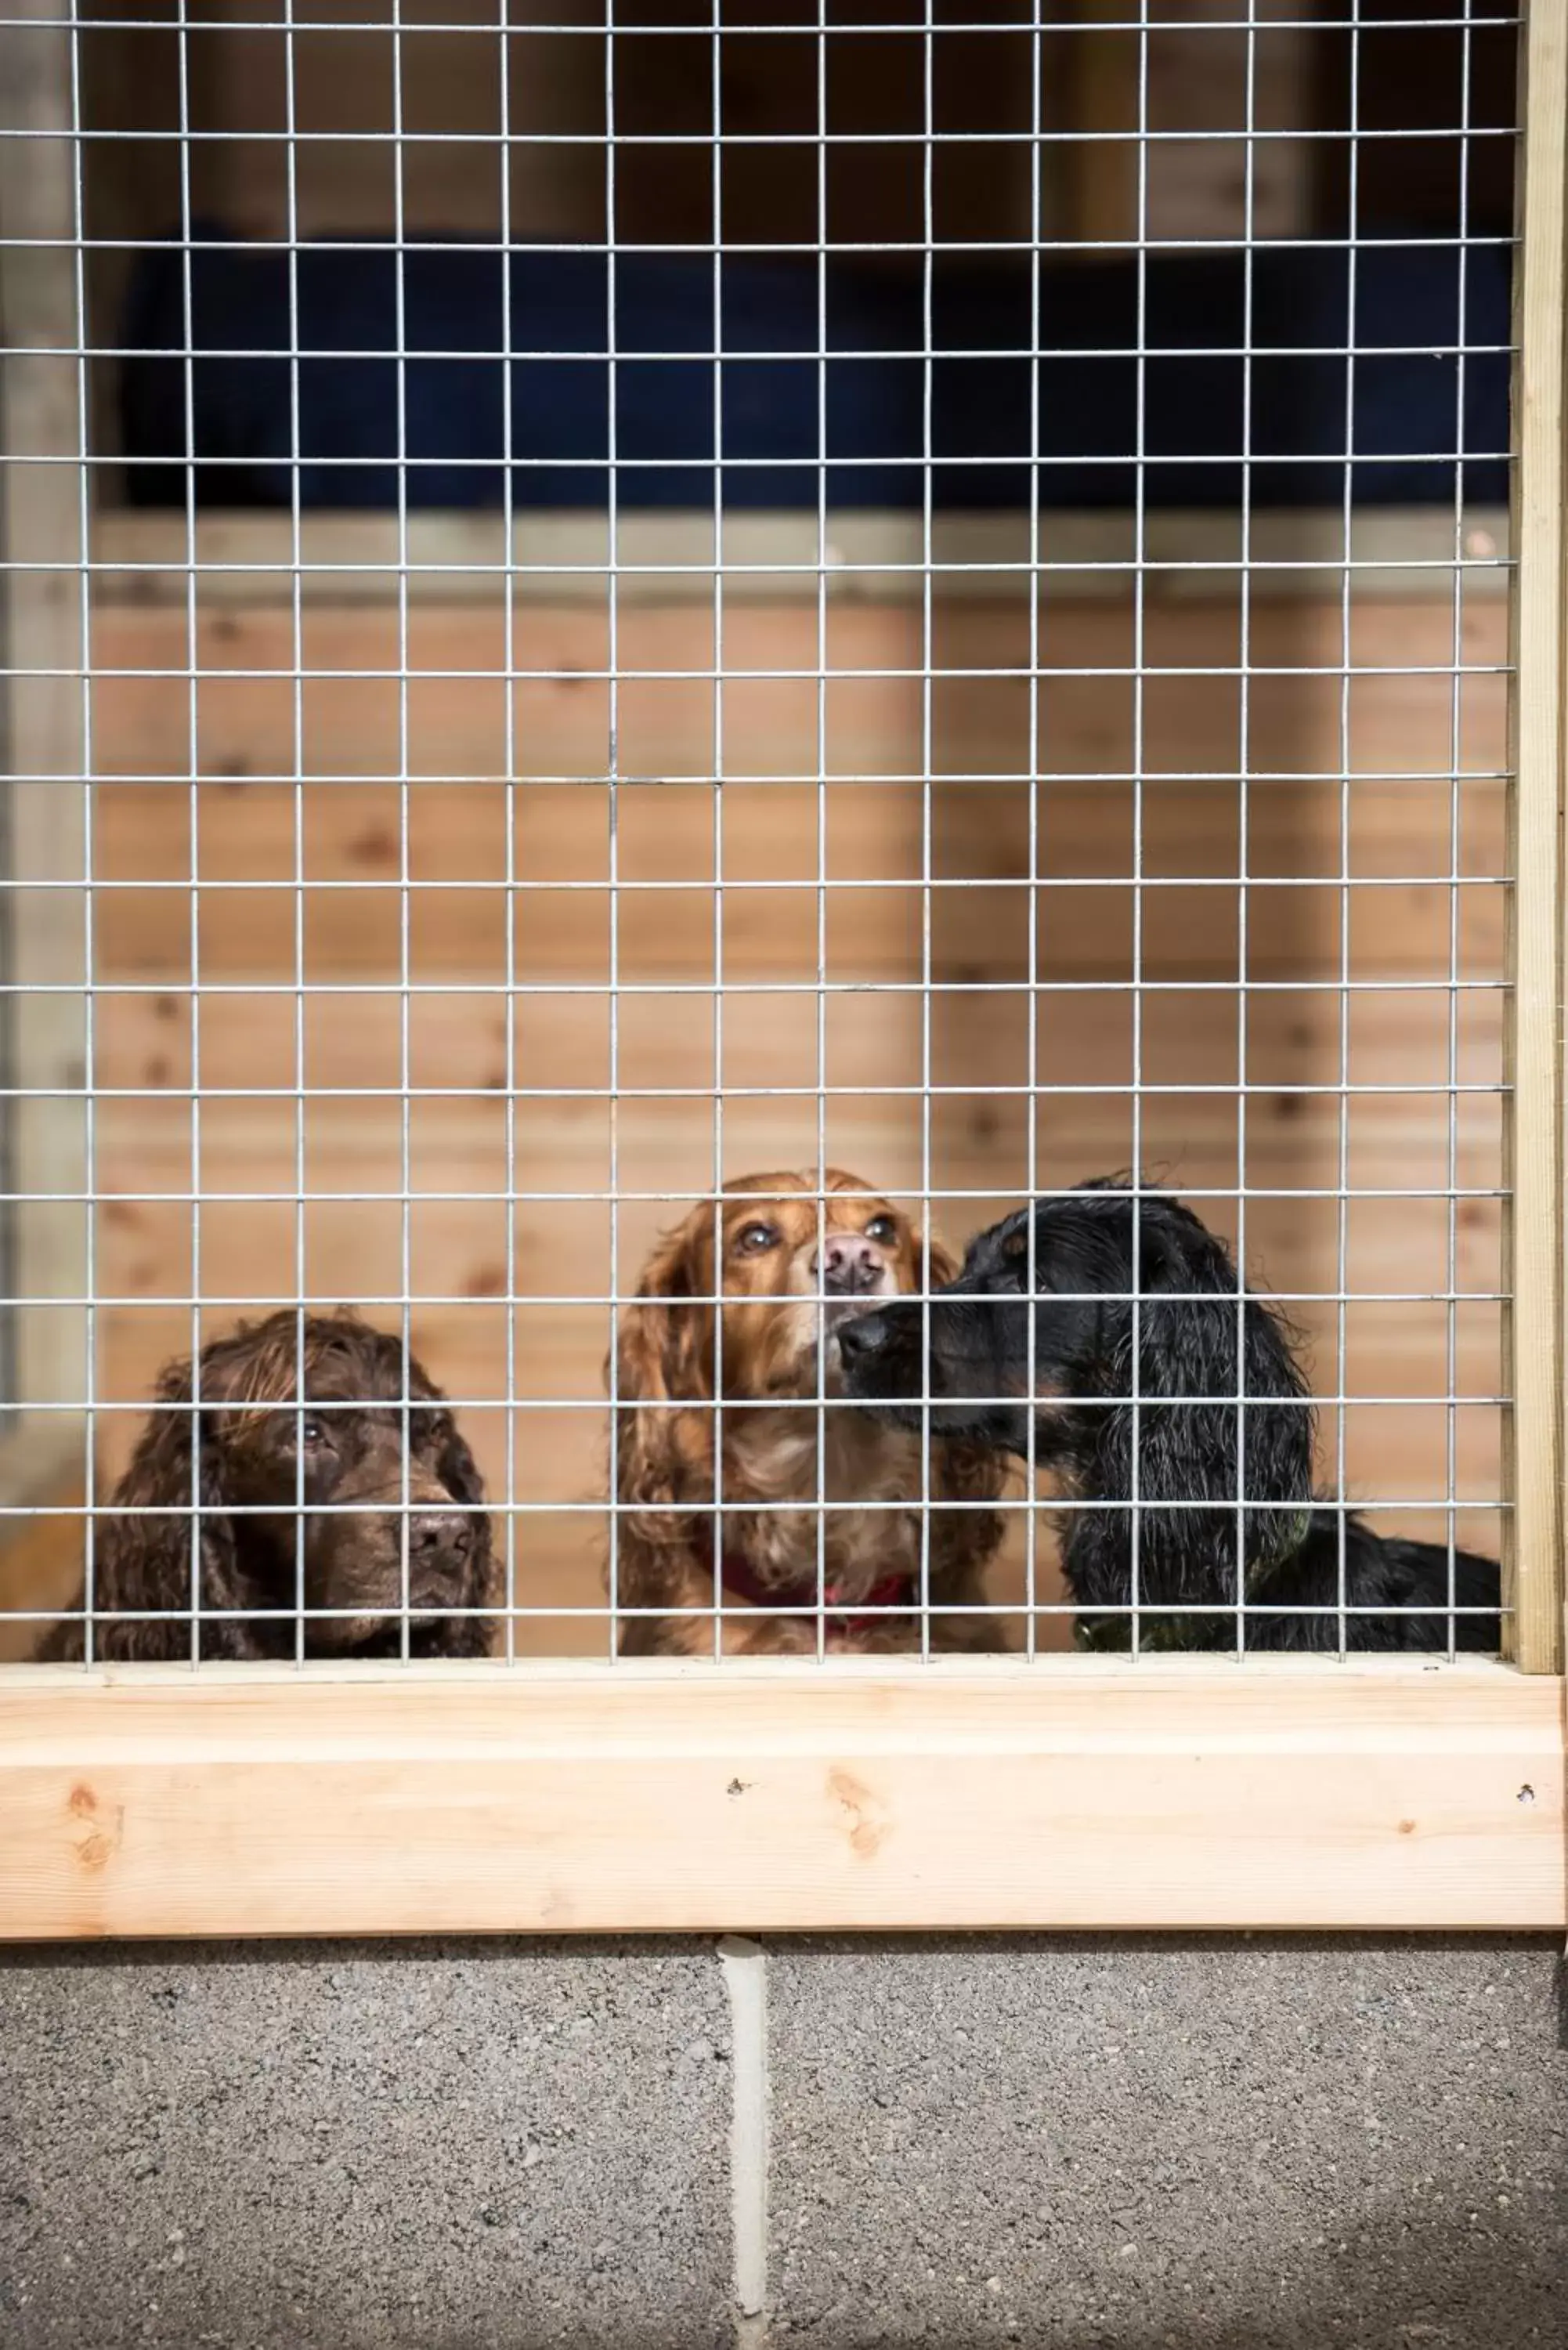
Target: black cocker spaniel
[[1183, 1453]]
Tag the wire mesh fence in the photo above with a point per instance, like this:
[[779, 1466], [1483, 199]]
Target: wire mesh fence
[[790, 741]]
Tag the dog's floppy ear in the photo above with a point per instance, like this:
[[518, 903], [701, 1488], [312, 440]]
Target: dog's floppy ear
[[459, 1472], [143, 1560], [665, 1342], [1223, 1415], [1279, 1433], [664, 1357]]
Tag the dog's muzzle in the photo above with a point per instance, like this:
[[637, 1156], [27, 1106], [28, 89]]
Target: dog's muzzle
[[871, 1347], [852, 1266]]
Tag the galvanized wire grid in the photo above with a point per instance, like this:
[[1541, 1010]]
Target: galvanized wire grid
[[1032, 1607]]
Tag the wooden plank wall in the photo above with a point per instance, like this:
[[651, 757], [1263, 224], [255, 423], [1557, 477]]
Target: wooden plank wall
[[1295, 926]]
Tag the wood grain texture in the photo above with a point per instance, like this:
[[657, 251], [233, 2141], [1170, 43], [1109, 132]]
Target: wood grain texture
[[1540, 621], [1017, 1798], [1399, 718]]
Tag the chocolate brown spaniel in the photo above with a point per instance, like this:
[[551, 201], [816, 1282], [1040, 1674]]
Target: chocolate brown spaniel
[[347, 1494], [725, 1403]]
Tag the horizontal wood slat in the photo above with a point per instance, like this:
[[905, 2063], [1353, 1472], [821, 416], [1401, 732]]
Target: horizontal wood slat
[[875, 557], [1021, 1798]]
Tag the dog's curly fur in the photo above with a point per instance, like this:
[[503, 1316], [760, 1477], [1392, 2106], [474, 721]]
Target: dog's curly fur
[[1036, 1337], [236, 1454], [677, 1358]]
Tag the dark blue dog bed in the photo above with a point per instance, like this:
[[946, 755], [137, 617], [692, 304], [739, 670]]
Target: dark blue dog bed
[[808, 372]]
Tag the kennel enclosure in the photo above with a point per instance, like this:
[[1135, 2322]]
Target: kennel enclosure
[[824, 724]]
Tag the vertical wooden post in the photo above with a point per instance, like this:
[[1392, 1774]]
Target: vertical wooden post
[[41, 749], [1535, 1349]]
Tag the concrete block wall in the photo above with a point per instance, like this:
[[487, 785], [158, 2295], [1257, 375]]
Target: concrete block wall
[[1079, 2144]]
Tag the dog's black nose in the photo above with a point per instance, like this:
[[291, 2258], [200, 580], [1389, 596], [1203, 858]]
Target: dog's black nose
[[440, 1530], [851, 1264], [861, 1337]]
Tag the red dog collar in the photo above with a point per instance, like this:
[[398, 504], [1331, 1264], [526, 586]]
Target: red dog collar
[[800, 1598]]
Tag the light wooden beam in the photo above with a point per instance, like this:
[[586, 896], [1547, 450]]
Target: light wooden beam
[[1294, 556], [1540, 621], [686, 1800]]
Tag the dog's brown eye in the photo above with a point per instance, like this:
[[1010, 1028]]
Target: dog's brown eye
[[311, 1432], [883, 1231], [752, 1238]]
